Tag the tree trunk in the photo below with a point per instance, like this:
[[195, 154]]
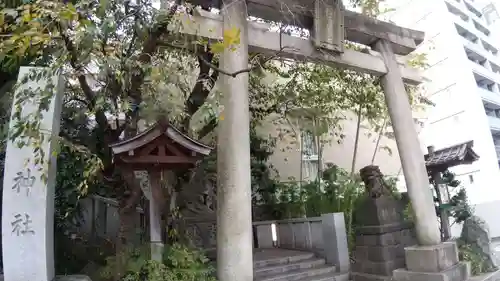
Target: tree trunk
[[319, 173], [356, 140], [380, 134], [127, 213], [170, 210]]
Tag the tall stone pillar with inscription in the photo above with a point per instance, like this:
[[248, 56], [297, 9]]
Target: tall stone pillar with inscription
[[28, 189]]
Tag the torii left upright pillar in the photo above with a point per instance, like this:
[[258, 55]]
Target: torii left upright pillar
[[234, 216]]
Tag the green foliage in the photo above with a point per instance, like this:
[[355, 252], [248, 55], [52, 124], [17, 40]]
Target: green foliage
[[458, 207], [262, 172], [135, 259], [180, 263], [316, 97], [368, 7], [449, 179], [72, 253], [336, 192], [408, 213], [184, 264], [149, 270], [468, 254], [460, 210]]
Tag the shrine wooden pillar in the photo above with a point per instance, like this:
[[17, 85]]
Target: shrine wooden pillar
[[155, 226]]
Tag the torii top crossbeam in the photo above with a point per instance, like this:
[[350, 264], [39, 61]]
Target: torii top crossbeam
[[359, 28], [324, 29]]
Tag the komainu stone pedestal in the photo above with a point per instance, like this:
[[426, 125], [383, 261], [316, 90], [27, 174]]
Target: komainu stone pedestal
[[433, 263], [382, 233]]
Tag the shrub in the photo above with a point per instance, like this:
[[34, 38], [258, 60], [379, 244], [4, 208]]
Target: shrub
[[180, 263]]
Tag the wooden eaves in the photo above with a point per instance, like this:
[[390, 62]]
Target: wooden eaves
[[160, 146]]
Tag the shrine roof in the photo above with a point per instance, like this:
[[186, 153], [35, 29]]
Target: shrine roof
[[156, 131], [451, 156]]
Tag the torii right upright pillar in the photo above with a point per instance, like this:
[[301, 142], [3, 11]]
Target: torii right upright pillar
[[431, 259]]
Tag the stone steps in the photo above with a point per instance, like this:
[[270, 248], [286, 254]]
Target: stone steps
[[329, 277], [298, 274], [282, 260], [297, 267], [282, 268]]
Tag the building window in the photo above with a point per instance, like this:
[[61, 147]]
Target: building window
[[309, 147], [310, 159], [310, 170]]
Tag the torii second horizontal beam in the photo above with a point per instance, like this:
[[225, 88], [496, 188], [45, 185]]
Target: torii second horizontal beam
[[209, 25]]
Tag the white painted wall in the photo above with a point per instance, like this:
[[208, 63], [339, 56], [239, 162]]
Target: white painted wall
[[287, 155]]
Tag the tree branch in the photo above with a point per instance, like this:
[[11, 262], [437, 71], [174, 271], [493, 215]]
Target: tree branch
[[214, 121], [261, 62], [208, 128], [148, 49], [87, 91], [200, 92], [121, 128]]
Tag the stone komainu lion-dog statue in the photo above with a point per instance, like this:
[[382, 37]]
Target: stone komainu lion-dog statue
[[374, 182]]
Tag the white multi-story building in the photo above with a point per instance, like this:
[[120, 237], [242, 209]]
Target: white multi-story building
[[464, 73]]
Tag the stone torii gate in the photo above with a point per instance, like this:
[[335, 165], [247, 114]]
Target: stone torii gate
[[328, 23]]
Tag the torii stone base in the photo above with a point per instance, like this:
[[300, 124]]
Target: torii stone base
[[433, 263], [491, 276]]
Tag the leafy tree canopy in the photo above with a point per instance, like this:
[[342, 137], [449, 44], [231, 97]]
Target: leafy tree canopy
[[119, 64]]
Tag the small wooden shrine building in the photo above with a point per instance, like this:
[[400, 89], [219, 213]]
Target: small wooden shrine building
[[436, 163], [441, 160], [161, 147]]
